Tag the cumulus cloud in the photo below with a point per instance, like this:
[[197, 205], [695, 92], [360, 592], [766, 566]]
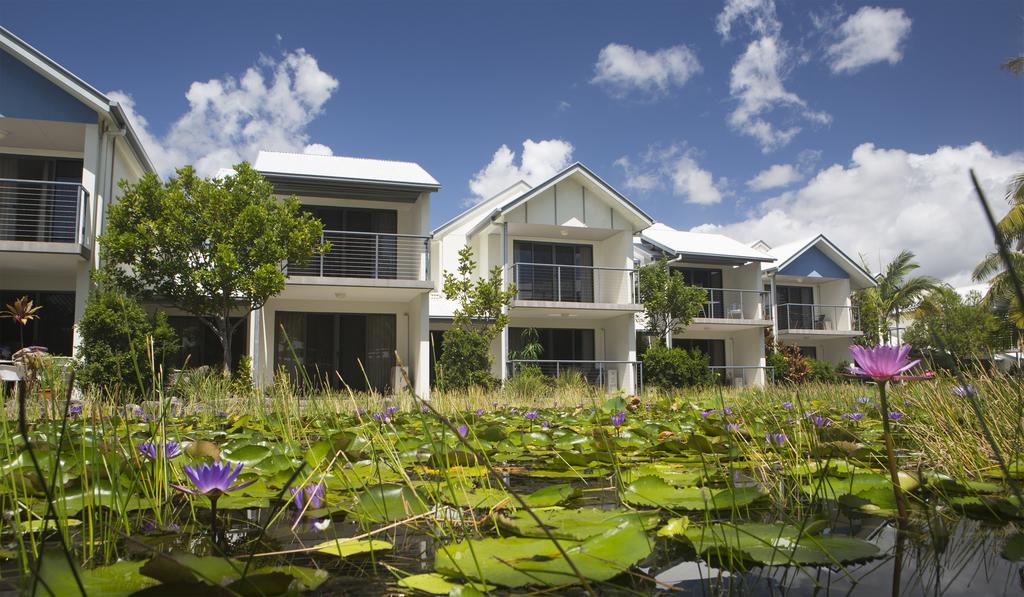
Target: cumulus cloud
[[540, 161], [870, 35], [623, 69], [230, 119], [758, 15], [774, 177], [677, 168], [886, 200], [757, 86]]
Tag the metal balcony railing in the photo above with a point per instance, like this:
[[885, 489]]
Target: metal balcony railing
[[729, 303], [800, 316], [372, 255], [575, 283], [742, 375], [610, 375], [43, 211]]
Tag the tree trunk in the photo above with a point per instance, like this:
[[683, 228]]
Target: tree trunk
[[225, 340]]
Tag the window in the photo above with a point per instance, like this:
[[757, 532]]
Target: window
[[810, 352], [557, 343], [706, 278], [795, 307], [200, 346], [336, 349], [715, 349], [362, 245], [54, 328], [31, 211], [538, 276]]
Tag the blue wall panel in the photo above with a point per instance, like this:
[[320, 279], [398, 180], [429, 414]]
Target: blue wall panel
[[24, 93], [814, 263]]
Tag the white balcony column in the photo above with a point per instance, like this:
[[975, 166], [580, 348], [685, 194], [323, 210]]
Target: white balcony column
[[419, 345], [774, 307], [504, 286], [91, 164], [255, 347]]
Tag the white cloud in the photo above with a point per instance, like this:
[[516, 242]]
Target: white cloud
[[229, 120], [623, 69], [886, 200], [870, 35], [778, 175], [317, 149], [757, 85], [678, 167], [758, 15], [540, 161]]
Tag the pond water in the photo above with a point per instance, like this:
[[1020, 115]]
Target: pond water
[[707, 512]]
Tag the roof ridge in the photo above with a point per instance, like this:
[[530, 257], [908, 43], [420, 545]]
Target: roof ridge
[[347, 157]]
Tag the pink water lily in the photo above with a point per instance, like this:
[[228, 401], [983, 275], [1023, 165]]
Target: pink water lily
[[885, 363]]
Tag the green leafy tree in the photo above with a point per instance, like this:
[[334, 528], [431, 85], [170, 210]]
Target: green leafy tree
[[896, 293], [953, 327], [671, 368], [669, 303], [215, 248], [479, 319], [121, 346]]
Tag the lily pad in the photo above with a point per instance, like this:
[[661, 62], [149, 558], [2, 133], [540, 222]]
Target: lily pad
[[388, 502], [344, 548], [517, 562], [654, 492], [773, 545], [576, 525]]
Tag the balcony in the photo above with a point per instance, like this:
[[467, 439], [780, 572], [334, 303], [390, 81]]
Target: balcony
[[818, 319], [737, 305], [611, 376], [355, 258], [44, 217], [580, 284]]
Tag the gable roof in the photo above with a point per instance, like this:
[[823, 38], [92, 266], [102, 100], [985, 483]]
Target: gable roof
[[345, 168], [790, 252], [506, 201], [700, 244], [74, 86]]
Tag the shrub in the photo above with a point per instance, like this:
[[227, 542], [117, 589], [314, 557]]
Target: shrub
[[823, 372], [676, 367], [114, 352], [465, 360]]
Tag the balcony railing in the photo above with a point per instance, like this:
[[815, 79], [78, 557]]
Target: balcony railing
[[372, 255], [800, 317], [743, 376], [728, 303], [43, 211], [575, 283], [610, 375]]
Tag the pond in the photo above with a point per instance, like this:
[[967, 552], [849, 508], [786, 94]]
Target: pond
[[760, 498]]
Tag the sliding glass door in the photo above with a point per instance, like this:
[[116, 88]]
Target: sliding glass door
[[336, 350], [554, 271], [795, 307]]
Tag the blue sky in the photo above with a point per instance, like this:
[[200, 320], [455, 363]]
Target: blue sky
[[663, 114]]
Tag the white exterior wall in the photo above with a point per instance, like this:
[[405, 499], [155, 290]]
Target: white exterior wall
[[836, 292]]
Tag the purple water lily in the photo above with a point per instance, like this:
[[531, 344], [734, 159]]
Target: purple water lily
[[618, 419], [479, 412], [463, 430], [308, 497], [391, 410], [787, 404], [733, 427], [707, 412], [895, 415], [213, 480], [151, 449], [531, 415], [854, 416], [776, 439], [820, 421], [545, 424], [965, 391], [863, 400]]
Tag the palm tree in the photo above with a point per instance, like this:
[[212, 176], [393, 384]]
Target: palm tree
[[897, 290], [994, 270]]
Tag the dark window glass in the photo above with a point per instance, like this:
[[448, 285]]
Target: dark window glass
[[794, 306], [54, 328], [361, 245], [557, 343], [810, 352], [715, 349], [706, 278], [538, 276], [336, 350], [37, 211], [200, 346]]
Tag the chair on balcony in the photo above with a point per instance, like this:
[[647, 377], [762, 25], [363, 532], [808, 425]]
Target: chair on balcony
[[822, 322], [736, 311]]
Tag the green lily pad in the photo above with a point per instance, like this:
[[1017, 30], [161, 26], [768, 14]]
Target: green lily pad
[[654, 492], [517, 562], [436, 584], [577, 525], [773, 545], [388, 502], [552, 495], [344, 548], [1013, 550]]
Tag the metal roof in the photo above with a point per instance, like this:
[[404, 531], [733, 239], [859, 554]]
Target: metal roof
[[344, 168], [700, 244]]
